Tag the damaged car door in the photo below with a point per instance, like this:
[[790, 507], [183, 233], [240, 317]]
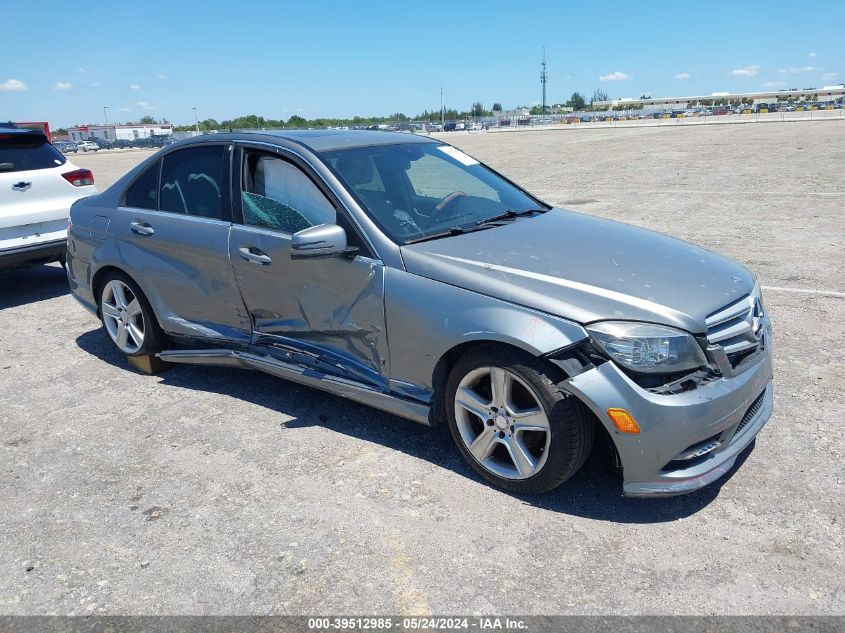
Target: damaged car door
[[325, 313]]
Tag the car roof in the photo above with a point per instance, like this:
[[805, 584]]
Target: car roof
[[5, 128], [21, 132], [322, 140]]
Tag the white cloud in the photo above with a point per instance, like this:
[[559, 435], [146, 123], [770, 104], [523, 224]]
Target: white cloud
[[811, 55], [145, 105], [63, 85], [830, 76], [96, 84], [162, 77], [134, 87], [126, 109], [747, 71], [13, 85], [80, 70], [797, 71], [683, 76], [773, 84], [614, 76]]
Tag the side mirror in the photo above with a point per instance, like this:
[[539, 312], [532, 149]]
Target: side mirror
[[319, 242]]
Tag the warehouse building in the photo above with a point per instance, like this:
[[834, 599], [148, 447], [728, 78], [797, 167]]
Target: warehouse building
[[114, 132], [827, 93]]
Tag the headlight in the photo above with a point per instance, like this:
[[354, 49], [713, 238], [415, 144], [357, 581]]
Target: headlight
[[647, 348]]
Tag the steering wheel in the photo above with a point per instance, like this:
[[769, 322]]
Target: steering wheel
[[448, 200]]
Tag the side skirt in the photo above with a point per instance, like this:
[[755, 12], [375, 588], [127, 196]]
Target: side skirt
[[339, 386]]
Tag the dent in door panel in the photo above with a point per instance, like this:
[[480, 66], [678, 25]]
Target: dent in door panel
[[336, 305]]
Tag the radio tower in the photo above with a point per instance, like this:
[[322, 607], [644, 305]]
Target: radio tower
[[543, 79]]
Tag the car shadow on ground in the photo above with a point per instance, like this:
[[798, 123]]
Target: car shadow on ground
[[29, 285], [595, 492]]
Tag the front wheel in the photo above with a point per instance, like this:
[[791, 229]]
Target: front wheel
[[128, 317], [513, 422]]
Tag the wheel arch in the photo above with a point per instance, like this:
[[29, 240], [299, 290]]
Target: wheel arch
[[447, 361], [97, 281], [565, 363]]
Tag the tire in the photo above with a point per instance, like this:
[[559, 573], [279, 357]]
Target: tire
[[525, 454], [127, 316]]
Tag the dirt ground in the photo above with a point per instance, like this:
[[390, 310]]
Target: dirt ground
[[214, 491]]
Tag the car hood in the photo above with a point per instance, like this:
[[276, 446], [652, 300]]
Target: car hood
[[586, 269]]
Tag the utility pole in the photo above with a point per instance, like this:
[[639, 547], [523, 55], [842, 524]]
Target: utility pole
[[106, 117], [543, 79], [442, 112], [196, 121]]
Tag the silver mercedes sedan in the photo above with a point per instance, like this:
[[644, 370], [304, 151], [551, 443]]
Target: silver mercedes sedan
[[397, 271]]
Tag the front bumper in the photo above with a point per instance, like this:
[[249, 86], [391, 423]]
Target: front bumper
[[41, 253], [671, 424]]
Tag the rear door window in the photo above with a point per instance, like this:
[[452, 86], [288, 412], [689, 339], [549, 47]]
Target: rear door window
[[26, 152], [142, 193], [192, 181]]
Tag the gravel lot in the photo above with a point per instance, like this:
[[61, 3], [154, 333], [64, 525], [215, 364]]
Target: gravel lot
[[214, 491]]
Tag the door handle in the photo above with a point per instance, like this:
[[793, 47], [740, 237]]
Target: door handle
[[255, 255], [141, 228]]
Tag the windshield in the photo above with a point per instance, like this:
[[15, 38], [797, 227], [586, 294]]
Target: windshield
[[414, 190]]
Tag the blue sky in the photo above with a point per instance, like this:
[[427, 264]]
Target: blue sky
[[332, 58]]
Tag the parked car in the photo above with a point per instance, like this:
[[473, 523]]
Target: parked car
[[103, 143], [485, 307], [87, 146], [121, 143], [66, 147], [37, 187]]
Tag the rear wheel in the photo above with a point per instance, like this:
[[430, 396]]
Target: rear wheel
[[513, 422], [128, 317]]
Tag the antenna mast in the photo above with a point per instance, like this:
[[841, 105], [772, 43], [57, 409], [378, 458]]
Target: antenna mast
[[543, 79]]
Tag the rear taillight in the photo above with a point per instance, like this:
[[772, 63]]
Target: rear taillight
[[79, 177]]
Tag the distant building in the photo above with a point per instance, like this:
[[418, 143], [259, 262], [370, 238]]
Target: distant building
[[114, 132], [828, 93], [516, 112]]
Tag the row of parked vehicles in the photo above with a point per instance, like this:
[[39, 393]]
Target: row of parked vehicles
[[96, 144], [759, 108]]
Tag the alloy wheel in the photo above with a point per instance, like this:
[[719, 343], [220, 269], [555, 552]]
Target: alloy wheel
[[502, 422], [123, 317]]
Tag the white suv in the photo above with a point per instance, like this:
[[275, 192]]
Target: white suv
[[37, 187], [87, 145]]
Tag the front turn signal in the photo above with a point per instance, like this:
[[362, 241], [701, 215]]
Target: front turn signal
[[624, 421]]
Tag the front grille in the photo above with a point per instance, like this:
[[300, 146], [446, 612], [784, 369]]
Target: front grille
[[753, 410], [737, 328]]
